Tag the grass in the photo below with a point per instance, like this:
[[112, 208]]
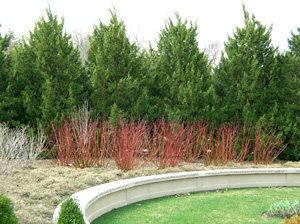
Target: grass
[[223, 206], [37, 189]]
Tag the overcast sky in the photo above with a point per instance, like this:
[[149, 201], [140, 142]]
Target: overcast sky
[[144, 19]]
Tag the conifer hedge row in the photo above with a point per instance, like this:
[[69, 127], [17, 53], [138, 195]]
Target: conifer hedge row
[[43, 79]]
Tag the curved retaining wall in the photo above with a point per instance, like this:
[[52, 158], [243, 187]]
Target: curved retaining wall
[[101, 199]]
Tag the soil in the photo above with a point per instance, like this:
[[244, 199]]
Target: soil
[[37, 188]]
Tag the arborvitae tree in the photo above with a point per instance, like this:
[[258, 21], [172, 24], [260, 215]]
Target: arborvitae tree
[[115, 68], [49, 71], [181, 76]]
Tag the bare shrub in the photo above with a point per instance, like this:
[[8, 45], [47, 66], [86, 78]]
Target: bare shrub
[[19, 144], [169, 143], [77, 141], [196, 139], [129, 140], [226, 144], [267, 145]]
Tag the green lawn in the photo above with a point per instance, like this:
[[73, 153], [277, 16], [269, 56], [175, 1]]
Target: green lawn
[[231, 206]]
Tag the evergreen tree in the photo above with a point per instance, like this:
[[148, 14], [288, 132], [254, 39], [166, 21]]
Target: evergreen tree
[[115, 67], [148, 105], [48, 73], [25, 84], [294, 43], [5, 103], [4, 44], [181, 73], [250, 81], [247, 79], [59, 64], [291, 60], [289, 64]]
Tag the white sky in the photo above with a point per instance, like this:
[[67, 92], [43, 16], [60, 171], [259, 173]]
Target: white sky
[[144, 19]]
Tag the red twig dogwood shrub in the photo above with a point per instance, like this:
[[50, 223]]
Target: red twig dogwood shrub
[[267, 146], [208, 147], [77, 142], [83, 142], [62, 145], [169, 143], [196, 137], [87, 145], [129, 141], [226, 144], [104, 145], [244, 144]]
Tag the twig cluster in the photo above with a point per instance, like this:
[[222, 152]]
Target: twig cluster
[[19, 144], [85, 143]]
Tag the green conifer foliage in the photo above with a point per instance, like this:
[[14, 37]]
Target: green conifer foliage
[[250, 81], [291, 62], [115, 68], [59, 64], [5, 114], [289, 65], [48, 72], [181, 72], [25, 83], [294, 43], [149, 104], [4, 44], [247, 79]]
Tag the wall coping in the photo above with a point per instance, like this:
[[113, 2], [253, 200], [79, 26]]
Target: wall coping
[[88, 197]]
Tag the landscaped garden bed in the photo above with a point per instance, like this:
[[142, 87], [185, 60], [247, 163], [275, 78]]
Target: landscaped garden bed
[[87, 152], [37, 190], [163, 109]]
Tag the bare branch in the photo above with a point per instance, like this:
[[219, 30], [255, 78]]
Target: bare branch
[[213, 50], [83, 44]]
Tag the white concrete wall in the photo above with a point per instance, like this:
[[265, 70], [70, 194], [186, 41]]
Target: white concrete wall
[[101, 199]]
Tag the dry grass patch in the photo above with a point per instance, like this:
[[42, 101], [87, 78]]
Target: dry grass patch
[[37, 189]]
